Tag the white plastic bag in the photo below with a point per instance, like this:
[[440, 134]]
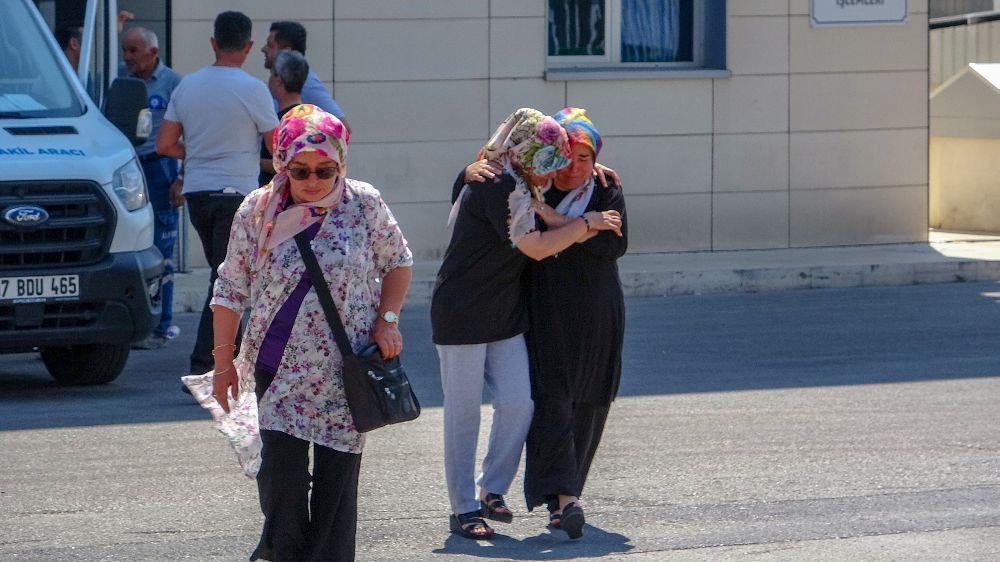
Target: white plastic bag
[[239, 425]]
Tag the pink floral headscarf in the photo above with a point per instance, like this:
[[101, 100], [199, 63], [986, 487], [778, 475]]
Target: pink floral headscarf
[[532, 140], [527, 142], [306, 128]]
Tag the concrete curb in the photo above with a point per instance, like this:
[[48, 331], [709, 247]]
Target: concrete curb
[[948, 258]]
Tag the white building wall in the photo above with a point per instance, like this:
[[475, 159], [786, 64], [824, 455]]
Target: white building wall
[[819, 136]]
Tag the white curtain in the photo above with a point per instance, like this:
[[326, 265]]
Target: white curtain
[[650, 30]]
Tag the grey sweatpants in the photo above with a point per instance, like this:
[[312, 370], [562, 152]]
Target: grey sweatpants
[[503, 365]]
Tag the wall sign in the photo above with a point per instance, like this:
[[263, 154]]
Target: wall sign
[[858, 12]]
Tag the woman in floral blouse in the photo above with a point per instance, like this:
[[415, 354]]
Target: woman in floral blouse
[[288, 353]]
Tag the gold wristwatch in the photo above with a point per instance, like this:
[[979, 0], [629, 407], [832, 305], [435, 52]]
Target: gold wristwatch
[[390, 317]]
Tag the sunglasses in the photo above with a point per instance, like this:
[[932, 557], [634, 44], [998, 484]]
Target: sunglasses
[[321, 173]]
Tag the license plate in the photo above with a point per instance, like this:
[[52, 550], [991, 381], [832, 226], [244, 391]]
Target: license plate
[[39, 287]]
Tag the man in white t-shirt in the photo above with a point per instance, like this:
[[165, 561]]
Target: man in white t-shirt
[[222, 112]]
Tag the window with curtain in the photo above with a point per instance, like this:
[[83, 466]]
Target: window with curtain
[[624, 32]]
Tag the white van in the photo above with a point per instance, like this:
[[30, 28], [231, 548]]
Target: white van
[[79, 276]]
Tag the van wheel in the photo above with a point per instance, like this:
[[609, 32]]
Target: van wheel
[[86, 364]]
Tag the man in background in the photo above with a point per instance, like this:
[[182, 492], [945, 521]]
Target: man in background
[[291, 36], [288, 74], [140, 52], [222, 113], [70, 38]]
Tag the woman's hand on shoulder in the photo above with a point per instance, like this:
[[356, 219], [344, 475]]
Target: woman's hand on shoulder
[[388, 338], [482, 170], [602, 173]]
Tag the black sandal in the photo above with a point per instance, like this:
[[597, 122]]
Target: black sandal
[[555, 520], [573, 520], [466, 524], [555, 516], [493, 507]]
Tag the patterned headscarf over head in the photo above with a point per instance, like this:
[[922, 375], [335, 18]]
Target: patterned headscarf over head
[[579, 128], [309, 128], [306, 128], [532, 140]]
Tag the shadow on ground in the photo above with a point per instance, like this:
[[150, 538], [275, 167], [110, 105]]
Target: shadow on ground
[[681, 344], [552, 545]]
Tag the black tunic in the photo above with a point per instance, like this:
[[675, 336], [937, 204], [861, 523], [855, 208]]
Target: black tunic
[[577, 312], [478, 296]]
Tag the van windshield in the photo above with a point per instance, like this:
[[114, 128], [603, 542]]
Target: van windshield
[[32, 80]]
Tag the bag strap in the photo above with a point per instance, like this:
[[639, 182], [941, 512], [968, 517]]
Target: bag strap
[[323, 292]]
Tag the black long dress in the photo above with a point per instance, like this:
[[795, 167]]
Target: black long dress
[[577, 313]]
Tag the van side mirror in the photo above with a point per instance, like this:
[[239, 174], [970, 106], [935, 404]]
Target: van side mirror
[[126, 106]]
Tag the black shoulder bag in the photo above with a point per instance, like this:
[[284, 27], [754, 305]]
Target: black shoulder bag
[[378, 392]]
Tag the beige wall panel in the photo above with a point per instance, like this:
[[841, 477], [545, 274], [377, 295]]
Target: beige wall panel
[[517, 47], [415, 111], [935, 178], [195, 253], [757, 7], [757, 45], [319, 48], [425, 227], [409, 9], [645, 107], [508, 94], [880, 215], [858, 101], [858, 158], [411, 50], [750, 221], [669, 223], [660, 165], [964, 187], [751, 104], [192, 47], [750, 162], [829, 49], [518, 8], [411, 172], [299, 10], [802, 6]]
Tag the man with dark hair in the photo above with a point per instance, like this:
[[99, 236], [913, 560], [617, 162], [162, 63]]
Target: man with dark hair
[[70, 38], [222, 113], [288, 74], [291, 36], [140, 52]]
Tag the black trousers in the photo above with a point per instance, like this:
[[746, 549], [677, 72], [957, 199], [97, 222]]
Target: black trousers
[[212, 217], [561, 444], [320, 527]]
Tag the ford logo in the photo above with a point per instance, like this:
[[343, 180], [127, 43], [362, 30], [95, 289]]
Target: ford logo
[[25, 215]]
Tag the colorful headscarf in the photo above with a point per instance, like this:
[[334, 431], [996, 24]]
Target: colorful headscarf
[[579, 128], [306, 128], [532, 140], [581, 131], [527, 141]]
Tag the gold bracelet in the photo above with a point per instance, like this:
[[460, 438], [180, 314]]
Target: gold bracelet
[[233, 345], [223, 372]]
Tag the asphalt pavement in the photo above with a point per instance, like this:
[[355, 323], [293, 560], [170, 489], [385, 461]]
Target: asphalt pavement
[[834, 424]]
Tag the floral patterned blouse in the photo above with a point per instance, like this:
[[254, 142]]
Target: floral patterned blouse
[[358, 243]]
